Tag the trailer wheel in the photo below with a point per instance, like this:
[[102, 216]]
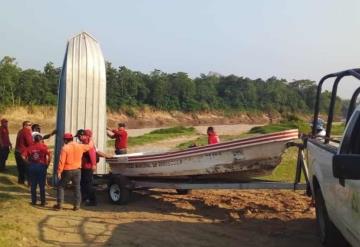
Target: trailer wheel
[[330, 236], [183, 191], [118, 192]]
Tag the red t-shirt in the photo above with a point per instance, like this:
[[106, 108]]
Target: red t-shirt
[[213, 138], [88, 160], [121, 138], [23, 140], [4, 135], [37, 153]]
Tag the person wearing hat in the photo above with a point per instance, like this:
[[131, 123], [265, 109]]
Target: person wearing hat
[[23, 141], [121, 138], [38, 157], [5, 144], [88, 167], [69, 169]]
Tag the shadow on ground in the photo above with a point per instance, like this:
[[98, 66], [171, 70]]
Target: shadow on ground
[[65, 230], [151, 220]]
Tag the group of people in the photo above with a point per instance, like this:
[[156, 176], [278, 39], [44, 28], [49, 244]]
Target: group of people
[[77, 161], [31, 154], [77, 164]]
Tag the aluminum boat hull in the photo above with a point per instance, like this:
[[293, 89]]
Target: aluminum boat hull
[[235, 160]]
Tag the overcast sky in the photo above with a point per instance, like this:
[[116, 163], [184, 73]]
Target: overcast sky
[[303, 39]]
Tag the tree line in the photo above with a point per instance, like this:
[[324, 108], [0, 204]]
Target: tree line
[[167, 91]]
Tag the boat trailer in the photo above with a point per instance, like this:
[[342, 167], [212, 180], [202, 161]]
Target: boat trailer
[[121, 187]]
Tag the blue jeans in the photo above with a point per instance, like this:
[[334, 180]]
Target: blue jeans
[[37, 175]]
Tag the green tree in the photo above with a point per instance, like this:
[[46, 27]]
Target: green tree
[[9, 76], [206, 93]]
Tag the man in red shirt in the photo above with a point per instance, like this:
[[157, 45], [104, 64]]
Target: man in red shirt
[[23, 141], [88, 167], [69, 169], [213, 138], [5, 144], [121, 138], [38, 157]]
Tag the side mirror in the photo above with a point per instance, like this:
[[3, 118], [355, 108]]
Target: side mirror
[[346, 166]]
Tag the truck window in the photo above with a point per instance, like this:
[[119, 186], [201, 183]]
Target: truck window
[[351, 141]]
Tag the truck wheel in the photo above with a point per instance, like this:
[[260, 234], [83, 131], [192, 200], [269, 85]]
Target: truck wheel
[[183, 191], [330, 236], [118, 192]]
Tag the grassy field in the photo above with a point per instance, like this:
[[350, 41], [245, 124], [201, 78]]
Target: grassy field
[[12, 200]]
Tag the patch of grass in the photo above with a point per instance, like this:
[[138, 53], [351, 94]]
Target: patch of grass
[[6, 234], [158, 135], [16, 215], [266, 129], [5, 196], [286, 170], [174, 130], [337, 128]]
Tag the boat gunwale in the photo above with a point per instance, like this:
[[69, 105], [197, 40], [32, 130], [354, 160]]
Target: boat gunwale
[[226, 146]]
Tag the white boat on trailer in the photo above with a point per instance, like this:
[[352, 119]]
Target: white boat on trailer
[[238, 160]]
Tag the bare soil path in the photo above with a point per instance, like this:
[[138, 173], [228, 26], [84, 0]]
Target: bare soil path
[[253, 218]]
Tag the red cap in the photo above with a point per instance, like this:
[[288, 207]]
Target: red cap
[[88, 132], [68, 136], [4, 120]]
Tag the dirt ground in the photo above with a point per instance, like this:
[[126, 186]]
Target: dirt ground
[[252, 218]]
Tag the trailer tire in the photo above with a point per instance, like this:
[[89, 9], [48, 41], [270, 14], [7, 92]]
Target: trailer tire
[[118, 191], [183, 191], [330, 236]]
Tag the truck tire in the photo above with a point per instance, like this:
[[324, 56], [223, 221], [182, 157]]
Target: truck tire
[[330, 236], [183, 191], [118, 191]]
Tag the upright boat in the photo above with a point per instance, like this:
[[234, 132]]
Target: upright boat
[[82, 93], [236, 160]]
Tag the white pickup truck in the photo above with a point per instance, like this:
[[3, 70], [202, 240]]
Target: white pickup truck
[[334, 174]]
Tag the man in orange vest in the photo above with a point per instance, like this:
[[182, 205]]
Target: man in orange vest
[[69, 169]]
